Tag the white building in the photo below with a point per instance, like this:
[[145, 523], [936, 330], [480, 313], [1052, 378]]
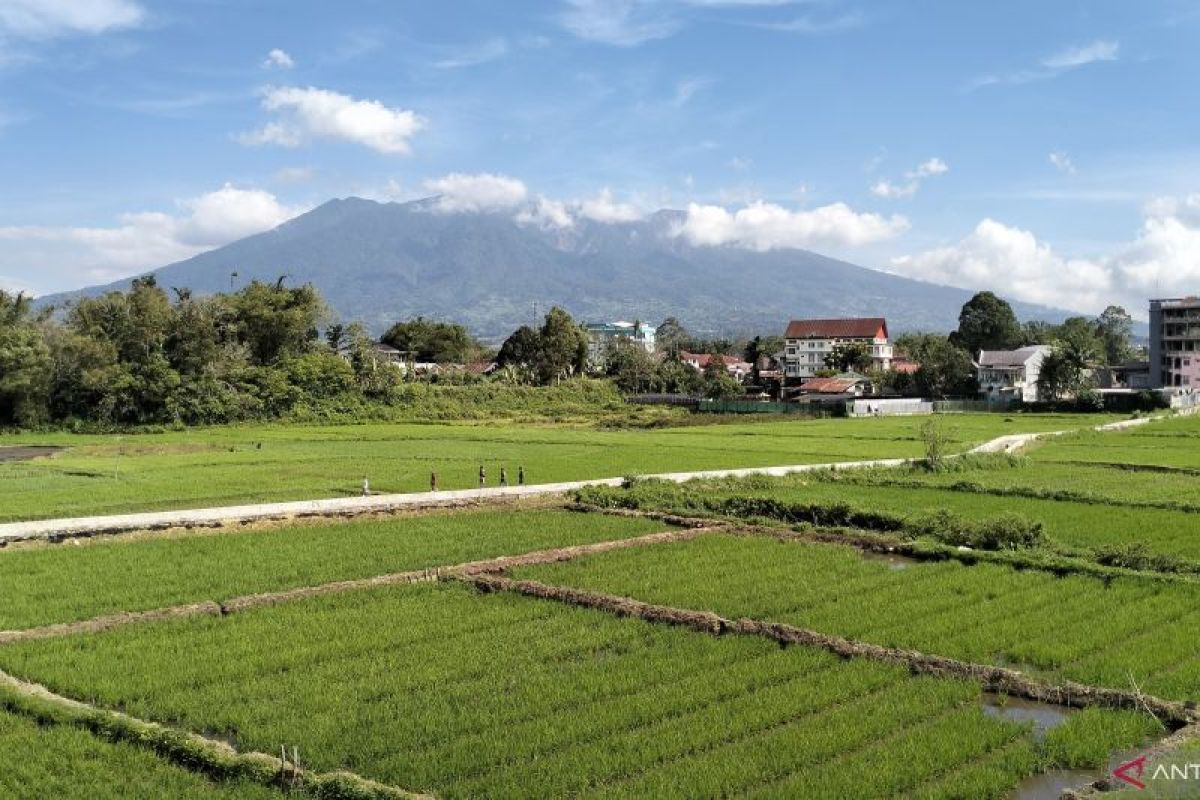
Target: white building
[[809, 341], [601, 333], [1011, 374]]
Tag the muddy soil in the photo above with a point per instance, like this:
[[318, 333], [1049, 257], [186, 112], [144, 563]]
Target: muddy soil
[[27, 453]]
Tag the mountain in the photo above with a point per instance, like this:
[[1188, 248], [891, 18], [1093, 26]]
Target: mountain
[[383, 262]]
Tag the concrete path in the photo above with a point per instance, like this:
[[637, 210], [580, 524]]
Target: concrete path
[[349, 506]]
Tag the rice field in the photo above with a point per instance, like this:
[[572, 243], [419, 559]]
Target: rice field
[[107, 474], [71, 764], [422, 687], [1117, 633], [65, 583]]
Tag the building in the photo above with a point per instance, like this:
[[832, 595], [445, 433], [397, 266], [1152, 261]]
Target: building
[[1175, 343], [1132, 375], [733, 365], [809, 341], [846, 385], [601, 333], [1011, 375]]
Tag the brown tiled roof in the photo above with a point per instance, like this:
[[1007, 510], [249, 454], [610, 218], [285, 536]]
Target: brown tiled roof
[[704, 359], [854, 328], [828, 385]]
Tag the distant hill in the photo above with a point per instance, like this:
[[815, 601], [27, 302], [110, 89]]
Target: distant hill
[[382, 262]]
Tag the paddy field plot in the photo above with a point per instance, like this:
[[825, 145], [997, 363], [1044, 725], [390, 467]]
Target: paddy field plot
[[1121, 634], [65, 583], [39, 761], [106, 474], [442, 689]]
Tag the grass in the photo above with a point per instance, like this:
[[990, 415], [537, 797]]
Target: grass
[[438, 688], [1077, 526], [1081, 628], [64, 583], [71, 764], [102, 474]]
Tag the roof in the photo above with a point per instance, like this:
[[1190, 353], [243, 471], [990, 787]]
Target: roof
[[851, 328], [702, 360], [1010, 358], [830, 385]]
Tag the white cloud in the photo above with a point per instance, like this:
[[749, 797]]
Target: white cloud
[[149, 239], [934, 166], [473, 56], [816, 26], [623, 23], [47, 19], [1071, 57], [895, 191], [482, 192], [766, 226], [1053, 65], [1062, 162], [1162, 259], [602, 208], [546, 213], [310, 113], [295, 174], [278, 59]]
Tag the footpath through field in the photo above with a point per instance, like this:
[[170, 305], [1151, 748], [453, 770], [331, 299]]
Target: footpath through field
[[350, 506]]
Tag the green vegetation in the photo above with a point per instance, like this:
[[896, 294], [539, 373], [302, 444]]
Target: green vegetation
[[72, 764], [264, 463], [63, 583], [1105, 633], [422, 687], [1088, 739]]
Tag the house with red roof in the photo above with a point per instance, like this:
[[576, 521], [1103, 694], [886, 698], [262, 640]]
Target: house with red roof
[[733, 365], [809, 341]]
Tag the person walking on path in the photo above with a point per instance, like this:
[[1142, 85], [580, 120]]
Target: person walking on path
[[520, 476], [433, 481], [366, 488], [503, 477], [482, 476]]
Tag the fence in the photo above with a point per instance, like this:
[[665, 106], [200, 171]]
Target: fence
[[837, 409]]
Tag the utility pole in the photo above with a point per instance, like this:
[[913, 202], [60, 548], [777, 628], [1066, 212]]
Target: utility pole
[[233, 276]]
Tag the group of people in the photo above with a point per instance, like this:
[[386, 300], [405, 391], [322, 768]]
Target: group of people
[[433, 479]]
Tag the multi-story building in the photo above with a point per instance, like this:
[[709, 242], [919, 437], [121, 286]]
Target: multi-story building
[[809, 341], [1011, 375], [601, 333], [1175, 343]]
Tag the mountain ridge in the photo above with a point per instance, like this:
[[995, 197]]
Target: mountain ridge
[[383, 262]]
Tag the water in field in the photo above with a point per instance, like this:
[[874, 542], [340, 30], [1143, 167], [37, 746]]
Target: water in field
[[892, 560], [27, 453], [1044, 716]]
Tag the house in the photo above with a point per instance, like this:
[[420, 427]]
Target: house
[[1175, 343], [848, 384], [1011, 374], [733, 365], [601, 333], [904, 365], [1132, 375], [381, 352], [809, 341]]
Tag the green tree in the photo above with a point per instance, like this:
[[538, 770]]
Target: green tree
[[1115, 328], [849, 357], [521, 348], [671, 337], [943, 370], [276, 322], [562, 347], [987, 322], [427, 340], [25, 364]]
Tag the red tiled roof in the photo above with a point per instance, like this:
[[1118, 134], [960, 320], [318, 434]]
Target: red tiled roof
[[828, 385], [702, 360], [855, 328]]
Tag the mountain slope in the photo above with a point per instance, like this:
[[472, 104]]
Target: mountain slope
[[382, 262]]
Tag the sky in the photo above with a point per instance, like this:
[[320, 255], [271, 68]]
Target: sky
[[1044, 150]]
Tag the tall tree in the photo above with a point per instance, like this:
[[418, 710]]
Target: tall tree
[[563, 347], [849, 357], [987, 322], [1115, 327], [671, 337], [521, 349], [428, 340]]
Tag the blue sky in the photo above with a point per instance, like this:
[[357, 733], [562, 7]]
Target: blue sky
[[1044, 149]]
